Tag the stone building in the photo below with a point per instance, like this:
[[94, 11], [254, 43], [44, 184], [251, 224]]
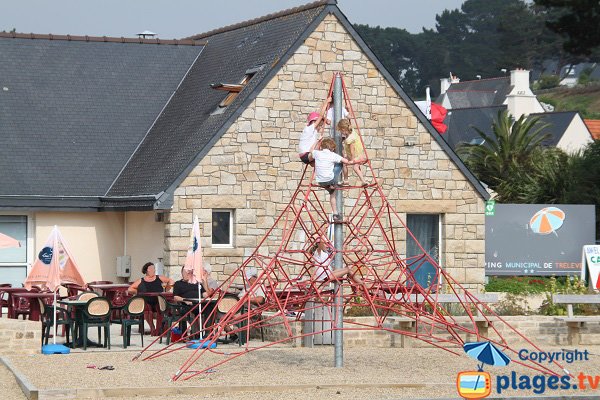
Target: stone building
[[224, 147]]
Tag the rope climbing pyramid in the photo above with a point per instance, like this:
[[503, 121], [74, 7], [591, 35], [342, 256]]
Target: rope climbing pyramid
[[295, 282]]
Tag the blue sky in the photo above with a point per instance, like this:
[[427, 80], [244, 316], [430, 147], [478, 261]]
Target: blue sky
[[181, 18]]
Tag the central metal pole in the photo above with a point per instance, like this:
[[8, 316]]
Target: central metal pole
[[338, 230]]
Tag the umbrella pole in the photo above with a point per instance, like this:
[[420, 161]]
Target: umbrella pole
[[54, 319], [200, 309]]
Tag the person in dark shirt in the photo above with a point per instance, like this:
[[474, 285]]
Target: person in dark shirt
[[184, 291], [150, 283]]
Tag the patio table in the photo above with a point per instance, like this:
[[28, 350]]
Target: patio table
[[9, 291], [34, 305], [77, 307], [115, 293]]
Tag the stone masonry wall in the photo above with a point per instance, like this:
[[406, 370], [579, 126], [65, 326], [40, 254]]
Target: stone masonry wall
[[20, 336], [254, 168]]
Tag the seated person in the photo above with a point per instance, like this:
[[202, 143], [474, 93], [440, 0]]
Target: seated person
[[257, 296], [184, 291], [150, 283], [212, 282], [322, 260]]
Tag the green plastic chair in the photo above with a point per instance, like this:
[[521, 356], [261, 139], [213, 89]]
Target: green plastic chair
[[132, 313], [97, 313]]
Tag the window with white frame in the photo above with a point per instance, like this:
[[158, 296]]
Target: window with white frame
[[426, 229], [13, 249], [222, 228]]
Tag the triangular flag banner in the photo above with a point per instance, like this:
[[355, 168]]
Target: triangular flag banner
[[54, 265], [193, 260]]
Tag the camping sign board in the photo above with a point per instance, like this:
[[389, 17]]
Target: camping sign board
[[537, 239], [590, 266]]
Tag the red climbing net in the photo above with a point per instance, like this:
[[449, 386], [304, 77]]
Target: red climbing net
[[405, 295]]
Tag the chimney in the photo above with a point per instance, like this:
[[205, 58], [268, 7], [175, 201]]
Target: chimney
[[521, 100], [446, 82], [519, 79], [444, 85]]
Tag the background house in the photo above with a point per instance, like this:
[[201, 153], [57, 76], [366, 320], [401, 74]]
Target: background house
[[228, 156], [477, 103]]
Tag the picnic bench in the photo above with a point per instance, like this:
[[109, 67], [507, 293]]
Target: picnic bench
[[445, 299], [406, 323], [575, 322]]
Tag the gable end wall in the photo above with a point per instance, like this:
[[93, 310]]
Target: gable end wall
[[254, 168]]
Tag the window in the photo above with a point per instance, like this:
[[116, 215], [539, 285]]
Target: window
[[233, 89], [13, 260], [222, 228], [426, 229]]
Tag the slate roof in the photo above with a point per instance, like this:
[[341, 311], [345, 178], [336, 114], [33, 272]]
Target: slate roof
[[73, 111], [461, 124], [138, 145], [557, 123], [462, 121], [186, 130], [478, 93], [576, 70]]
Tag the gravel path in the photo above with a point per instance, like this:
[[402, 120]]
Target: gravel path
[[8, 385], [277, 368]]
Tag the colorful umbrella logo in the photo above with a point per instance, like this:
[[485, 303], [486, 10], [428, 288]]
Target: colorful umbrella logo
[[486, 353], [548, 220]]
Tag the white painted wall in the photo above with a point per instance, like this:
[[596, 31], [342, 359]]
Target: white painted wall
[[576, 136], [95, 240], [145, 240]]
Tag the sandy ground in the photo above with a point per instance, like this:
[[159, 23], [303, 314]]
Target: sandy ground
[[278, 368], [8, 385]]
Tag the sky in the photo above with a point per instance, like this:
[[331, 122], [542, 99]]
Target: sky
[[181, 18]]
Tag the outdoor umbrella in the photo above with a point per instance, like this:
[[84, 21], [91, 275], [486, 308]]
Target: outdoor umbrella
[[7, 242], [193, 263], [547, 220], [54, 266]]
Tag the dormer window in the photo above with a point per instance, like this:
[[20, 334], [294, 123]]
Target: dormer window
[[233, 89]]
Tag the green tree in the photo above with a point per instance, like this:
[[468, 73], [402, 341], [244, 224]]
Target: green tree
[[579, 20], [505, 155], [560, 178], [395, 49]]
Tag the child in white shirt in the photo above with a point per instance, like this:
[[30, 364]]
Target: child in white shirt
[[328, 167], [322, 260], [312, 133]]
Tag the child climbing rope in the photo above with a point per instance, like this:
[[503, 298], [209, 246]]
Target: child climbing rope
[[322, 260], [328, 168], [312, 134], [353, 150]]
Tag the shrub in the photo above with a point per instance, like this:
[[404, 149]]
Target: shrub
[[513, 305], [548, 81]]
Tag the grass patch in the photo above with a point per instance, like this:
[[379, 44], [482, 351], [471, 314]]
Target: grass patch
[[584, 99]]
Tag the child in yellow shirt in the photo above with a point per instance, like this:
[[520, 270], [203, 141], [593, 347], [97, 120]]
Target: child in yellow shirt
[[353, 149]]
